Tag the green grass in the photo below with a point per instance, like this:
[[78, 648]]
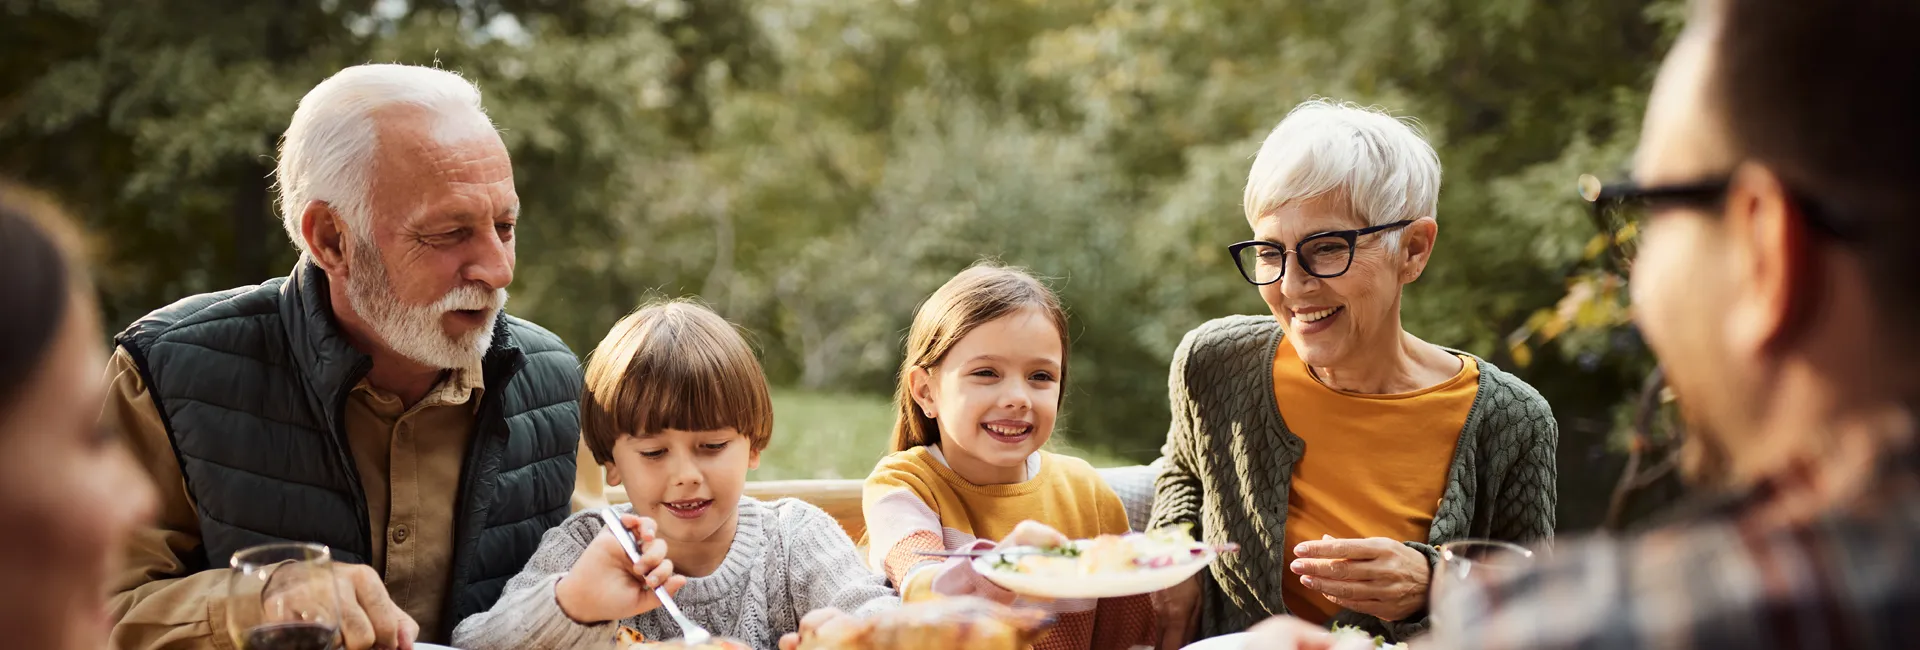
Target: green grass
[[826, 435]]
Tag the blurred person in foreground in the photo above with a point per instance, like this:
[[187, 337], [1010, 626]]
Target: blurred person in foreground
[[66, 510], [378, 399], [1335, 447], [1779, 177]]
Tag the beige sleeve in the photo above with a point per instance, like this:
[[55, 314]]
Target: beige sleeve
[[589, 481], [160, 600]]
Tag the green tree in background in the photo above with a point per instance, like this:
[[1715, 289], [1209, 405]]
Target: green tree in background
[[814, 168]]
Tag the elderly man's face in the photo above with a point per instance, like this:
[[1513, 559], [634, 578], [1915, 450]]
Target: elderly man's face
[[1684, 275], [442, 234]]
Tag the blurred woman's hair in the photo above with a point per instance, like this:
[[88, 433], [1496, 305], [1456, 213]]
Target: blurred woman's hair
[[39, 276], [1382, 166], [975, 297]]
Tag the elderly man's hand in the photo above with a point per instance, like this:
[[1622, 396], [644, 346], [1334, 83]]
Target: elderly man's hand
[[368, 618], [1374, 576], [1289, 633]]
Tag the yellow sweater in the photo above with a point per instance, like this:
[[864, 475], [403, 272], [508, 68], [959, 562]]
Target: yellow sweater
[[914, 502]]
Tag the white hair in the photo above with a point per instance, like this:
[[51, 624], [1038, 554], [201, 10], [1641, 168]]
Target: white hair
[[327, 152], [1385, 168]]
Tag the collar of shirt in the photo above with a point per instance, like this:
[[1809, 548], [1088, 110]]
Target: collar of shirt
[[457, 386], [1032, 469]]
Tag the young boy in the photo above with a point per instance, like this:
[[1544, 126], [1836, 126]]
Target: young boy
[[676, 409]]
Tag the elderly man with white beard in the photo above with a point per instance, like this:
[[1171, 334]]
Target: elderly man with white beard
[[377, 400]]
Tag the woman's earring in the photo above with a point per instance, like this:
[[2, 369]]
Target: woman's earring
[[929, 413]]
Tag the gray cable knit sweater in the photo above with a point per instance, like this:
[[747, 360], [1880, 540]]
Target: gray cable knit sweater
[[788, 558], [1230, 462]]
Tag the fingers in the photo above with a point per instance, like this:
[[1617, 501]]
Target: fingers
[[643, 528], [1347, 589], [1349, 549], [604, 544], [1033, 533], [652, 555], [385, 619], [660, 573], [814, 619], [1177, 612], [1334, 569], [675, 583], [409, 631], [1289, 633], [355, 629], [790, 641]]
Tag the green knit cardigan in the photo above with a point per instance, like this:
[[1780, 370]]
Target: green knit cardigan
[[1230, 465]]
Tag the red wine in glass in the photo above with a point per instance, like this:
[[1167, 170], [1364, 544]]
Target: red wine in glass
[[293, 636]]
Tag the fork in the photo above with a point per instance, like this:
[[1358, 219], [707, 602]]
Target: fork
[[690, 632]]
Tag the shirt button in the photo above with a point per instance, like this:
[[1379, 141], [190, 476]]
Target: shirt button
[[400, 534]]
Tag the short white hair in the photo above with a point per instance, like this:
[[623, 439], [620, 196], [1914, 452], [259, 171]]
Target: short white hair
[[328, 151], [1387, 171]]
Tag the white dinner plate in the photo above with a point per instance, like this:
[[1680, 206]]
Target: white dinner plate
[[1103, 585], [430, 646], [1236, 641]]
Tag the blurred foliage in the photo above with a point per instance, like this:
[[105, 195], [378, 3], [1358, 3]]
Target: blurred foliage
[[814, 168]]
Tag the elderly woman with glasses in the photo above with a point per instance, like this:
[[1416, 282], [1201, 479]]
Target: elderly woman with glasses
[[1337, 449]]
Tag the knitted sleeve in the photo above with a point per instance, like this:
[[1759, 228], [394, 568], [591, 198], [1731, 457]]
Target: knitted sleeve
[[1177, 489], [826, 570], [1529, 442], [899, 522], [527, 616]]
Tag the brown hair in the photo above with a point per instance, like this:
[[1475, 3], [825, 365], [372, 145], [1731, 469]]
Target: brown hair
[[39, 257], [975, 297], [1822, 93], [673, 365]]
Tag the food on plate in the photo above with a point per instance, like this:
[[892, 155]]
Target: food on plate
[[1342, 633], [1106, 554], [955, 622], [628, 639]]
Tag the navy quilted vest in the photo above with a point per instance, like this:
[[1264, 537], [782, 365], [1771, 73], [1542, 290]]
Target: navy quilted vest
[[252, 385]]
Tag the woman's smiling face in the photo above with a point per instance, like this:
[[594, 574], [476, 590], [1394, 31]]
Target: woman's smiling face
[[1334, 321]]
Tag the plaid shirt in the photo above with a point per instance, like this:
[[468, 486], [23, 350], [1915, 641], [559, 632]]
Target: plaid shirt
[[1847, 577]]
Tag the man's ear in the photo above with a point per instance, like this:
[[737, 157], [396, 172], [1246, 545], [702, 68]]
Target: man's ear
[[1776, 271], [1417, 240], [325, 234]]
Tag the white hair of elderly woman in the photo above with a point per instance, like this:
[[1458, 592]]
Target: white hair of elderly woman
[[327, 152], [1385, 168]]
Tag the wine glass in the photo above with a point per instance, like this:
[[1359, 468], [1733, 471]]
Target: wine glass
[[1478, 563], [283, 597]]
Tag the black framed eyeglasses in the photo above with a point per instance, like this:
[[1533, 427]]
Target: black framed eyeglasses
[[1322, 255], [1618, 210]]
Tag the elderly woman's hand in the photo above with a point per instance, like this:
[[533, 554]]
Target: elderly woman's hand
[[1374, 576]]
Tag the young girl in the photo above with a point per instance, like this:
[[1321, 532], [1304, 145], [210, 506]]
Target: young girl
[[979, 389]]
